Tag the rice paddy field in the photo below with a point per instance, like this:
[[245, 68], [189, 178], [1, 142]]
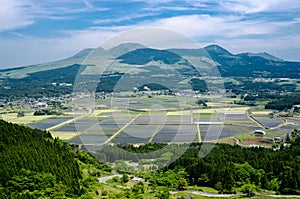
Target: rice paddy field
[[176, 134], [90, 139], [294, 121], [49, 122], [268, 122], [28, 119], [166, 126], [283, 130], [161, 119]]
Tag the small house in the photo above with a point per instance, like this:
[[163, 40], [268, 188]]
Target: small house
[[40, 105]]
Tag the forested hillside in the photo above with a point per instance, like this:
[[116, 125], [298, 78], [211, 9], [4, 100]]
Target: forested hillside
[[35, 165], [228, 168]]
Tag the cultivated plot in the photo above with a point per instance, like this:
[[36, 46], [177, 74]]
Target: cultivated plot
[[103, 128], [151, 119], [64, 135], [163, 119], [236, 117], [215, 132], [294, 121], [135, 133], [117, 120], [124, 138], [269, 122], [285, 129], [207, 120], [45, 124], [176, 133], [248, 123], [175, 120], [90, 139], [78, 126], [29, 118]]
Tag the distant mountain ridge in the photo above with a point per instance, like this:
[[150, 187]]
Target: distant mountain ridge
[[172, 66], [264, 55], [213, 50]]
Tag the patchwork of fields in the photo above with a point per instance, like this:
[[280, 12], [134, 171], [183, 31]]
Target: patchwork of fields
[[129, 127], [168, 122]]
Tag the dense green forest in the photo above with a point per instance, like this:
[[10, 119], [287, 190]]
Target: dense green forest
[[229, 169], [35, 165]]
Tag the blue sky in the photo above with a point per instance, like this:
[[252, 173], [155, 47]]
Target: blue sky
[[35, 31]]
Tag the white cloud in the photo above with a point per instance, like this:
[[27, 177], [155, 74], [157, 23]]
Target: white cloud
[[238, 6], [13, 14], [254, 6], [228, 26], [28, 51], [71, 7], [173, 8], [232, 32], [16, 14], [248, 6], [217, 26], [124, 18]]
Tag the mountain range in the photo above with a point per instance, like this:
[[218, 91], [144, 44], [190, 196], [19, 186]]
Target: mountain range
[[133, 65]]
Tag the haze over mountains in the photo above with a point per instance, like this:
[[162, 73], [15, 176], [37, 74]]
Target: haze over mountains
[[141, 64]]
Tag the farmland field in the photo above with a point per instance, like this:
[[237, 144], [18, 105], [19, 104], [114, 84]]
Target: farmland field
[[64, 135], [179, 120], [78, 126], [150, 119], [285, 129], [236, 117], [206, 120], [124, 138], [90, 139], [176, 133], [215, 132], [142, 131], [28, 119], [294, 121], [105, 128], [207, 115], [249, 123], [269, 122], [158, 119], [47, 123]]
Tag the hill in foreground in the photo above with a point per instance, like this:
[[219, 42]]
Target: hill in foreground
[[35, 165]]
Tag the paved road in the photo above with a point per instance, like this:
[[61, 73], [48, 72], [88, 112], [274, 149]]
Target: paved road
[[104, 179], [231, 195], [284, 196]]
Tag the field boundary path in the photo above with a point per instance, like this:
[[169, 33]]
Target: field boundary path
[[253, 119], [199, 133], [69, 121], [154, 133], [284, 123], [121, 130]]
